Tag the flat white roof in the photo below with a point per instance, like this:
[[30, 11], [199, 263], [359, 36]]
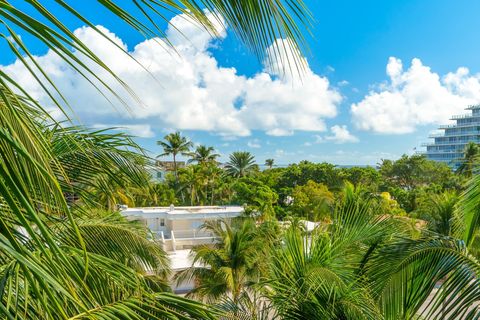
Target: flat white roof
[[184, 212], [181, 259]]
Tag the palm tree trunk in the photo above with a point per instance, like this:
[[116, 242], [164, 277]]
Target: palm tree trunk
[[175, 168], [212, 196]]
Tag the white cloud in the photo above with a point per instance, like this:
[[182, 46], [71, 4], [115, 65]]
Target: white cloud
[[340, 134], [255, 143], [186, 89], [138, 130], [319, 138], [413, 97]]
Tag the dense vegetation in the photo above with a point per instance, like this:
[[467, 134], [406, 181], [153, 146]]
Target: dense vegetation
[[406, 187], [61, 255], [65, 253]]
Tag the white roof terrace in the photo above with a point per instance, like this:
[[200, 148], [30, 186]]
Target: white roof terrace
[[182, 213]]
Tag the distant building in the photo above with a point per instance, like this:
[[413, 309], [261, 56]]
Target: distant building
[[161, 168], [169, 166], [449, 146]]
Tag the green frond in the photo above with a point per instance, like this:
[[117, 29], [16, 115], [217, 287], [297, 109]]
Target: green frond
[[120, 242]]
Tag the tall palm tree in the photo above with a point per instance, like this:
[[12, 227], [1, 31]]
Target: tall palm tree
[[365, 266], [76, 264], [240, 164], [174, 144], [43, 277], [193, 181], [470, 159], [269, 163], [225, 268], [203, 154]]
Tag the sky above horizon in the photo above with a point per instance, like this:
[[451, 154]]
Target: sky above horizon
[[381, 76]]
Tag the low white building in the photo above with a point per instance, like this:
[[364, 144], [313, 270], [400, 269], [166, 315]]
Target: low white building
[[178, 230], [179, 227]]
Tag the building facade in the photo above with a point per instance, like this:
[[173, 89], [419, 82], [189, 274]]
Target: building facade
[[449, 146], [179, 227]]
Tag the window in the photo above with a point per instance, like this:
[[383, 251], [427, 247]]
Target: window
[[162, 222]]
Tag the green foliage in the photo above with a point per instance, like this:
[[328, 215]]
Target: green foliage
[[470, 159], [241, 164], [229, 266], [258, 197], [312, 201], [88, 268], [415, 171], [408, 179], [203, 154], [299, 174], [269, 163], [368, 177], [174, 144]]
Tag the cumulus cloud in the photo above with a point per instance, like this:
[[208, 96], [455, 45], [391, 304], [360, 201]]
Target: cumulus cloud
[[340, 134], [413, 97], [186, 89]]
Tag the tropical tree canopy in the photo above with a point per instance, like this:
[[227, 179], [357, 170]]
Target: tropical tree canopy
[[471, 156], [203, 154], [228, 267], [53, 263], [269, 163], [174, 144], [240, 164]]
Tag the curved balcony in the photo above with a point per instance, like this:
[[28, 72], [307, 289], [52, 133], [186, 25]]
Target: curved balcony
[[436, 135]]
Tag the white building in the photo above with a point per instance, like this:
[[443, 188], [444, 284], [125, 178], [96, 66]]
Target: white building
[[179, 227]]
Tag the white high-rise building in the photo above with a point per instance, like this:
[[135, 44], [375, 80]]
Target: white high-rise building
[[449, 145]]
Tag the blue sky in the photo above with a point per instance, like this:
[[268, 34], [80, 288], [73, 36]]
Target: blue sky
[[359, 112]]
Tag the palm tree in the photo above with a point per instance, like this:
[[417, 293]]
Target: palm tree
[[69, 257], [241, 163], [228, 266], [269, 163], [365, 266], [470, 159], [203, 154], [444, 213], [468, 223], [193, 181], [44, 276], [100, 166], [174, 145]]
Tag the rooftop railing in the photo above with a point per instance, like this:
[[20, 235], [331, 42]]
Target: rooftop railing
[[429, 144], [436, 135], [461, 116], [448, 126], [443, 151], [186, 234], [459, 134]]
